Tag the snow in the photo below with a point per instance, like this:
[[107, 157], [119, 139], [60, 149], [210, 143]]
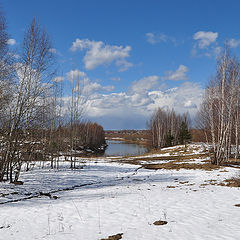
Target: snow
[[105, 198]]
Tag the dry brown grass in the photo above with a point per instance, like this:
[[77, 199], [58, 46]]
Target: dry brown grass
[[209, 182], [178, 166], [179, 150], [183, 182], [173, 159], [224, 170], [232, 182], [180, 157]]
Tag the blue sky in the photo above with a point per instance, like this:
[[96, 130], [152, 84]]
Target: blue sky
[[134, 56]]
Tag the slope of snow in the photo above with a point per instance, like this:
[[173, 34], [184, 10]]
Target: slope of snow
[[105, 198]]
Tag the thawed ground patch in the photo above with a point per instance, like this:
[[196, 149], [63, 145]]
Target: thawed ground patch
[[108, 197]]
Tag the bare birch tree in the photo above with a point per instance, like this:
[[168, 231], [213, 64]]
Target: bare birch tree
[[32, 75], [165, 126], [219, 112]]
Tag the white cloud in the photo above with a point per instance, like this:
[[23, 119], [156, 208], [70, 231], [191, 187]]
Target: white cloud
[[189, 104], [95, 87], [58, 79], [98, 53], [153, 39], [204, 39], [87, 87], [233, 43], [76, 74], [178, 75], [133, 108], [217, 50], [144, 84], [11, 41], [186, 97], [117, 79], [12, 54], [81, 44], [53, 50], [123, 64], [157, 38]]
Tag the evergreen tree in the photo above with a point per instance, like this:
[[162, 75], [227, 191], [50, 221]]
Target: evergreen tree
[[184, 135], [169, 139]]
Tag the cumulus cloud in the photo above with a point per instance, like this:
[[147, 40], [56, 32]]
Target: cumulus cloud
[[157, 38], [12, 54], [233, 43], [144, 84], [98, 53], [204, 39], [190, 104], [81, 44], [11, 41], [76, 74], [217, 50], [93, 87], [206, 44], [135, 107], [87, 86], [127, 110], [58, 79], [186, 97], [53, 50], [123, 65], [153, 39], [178, 75]]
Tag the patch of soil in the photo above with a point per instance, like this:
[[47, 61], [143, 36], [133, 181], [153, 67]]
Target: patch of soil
[[114, 237], [158, 223]]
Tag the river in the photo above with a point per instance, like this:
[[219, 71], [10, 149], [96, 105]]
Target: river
[[121, 148]]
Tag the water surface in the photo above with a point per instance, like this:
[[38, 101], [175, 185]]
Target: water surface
[[120, 148]]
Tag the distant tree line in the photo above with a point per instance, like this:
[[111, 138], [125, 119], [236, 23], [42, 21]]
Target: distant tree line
[[168, 128], [32, 126]]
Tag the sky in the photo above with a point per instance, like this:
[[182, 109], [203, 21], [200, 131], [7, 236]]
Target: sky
[[132, 56]]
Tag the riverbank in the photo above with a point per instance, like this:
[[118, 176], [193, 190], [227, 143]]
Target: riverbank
[[127, 196], [140, 137]]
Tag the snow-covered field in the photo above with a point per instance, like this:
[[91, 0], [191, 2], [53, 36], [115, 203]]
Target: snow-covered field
[[105, 198]]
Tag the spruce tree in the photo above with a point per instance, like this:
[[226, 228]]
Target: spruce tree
[[184, 135], [169, 139]]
